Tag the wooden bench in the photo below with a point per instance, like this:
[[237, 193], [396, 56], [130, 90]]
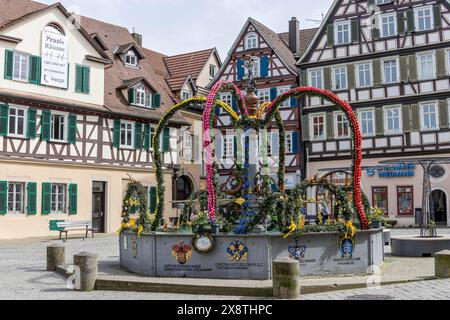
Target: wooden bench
[[67, 226]]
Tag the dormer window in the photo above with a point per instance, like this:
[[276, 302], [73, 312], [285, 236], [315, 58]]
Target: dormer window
[[143, 97], [131, 59], [251, 41]]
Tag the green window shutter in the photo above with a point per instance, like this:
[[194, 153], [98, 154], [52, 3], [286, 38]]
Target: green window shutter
[[46, 198], [375, 33], [440, 63], [376, 72], [379, 121], [32, 123], [9, 60], [443, 114], [303, 78], [153, 202], [137, 136], [86, 80], [330, 126], [32, 198], [415, 117], [78, 79], [412, 67], [327, 78], [3, 197], [351, 76], [35, 70], [131, 96], [73, 199], [157, 100], [410, 23], [46, 125], [305, 128], [371, 2], [401, 22], [147, 137], [355, 30], [330, 35], [404, 68], [406, 118], [4, 116], [72, 132], [166, 140], [116, 134], [437, 16]]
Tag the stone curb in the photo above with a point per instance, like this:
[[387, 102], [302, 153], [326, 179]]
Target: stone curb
[[106, 284]]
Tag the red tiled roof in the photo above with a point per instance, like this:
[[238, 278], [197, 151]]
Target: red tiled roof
[[305, 38], [13, 9]]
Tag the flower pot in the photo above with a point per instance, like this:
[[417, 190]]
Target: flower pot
[[376, 225], [215, 229]]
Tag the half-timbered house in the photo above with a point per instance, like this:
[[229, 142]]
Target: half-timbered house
[[274, 56], [391, 61]]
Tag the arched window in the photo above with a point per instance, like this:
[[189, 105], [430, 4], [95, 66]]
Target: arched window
[[131, 59], [251, 41], [55, 28], [140, 95]]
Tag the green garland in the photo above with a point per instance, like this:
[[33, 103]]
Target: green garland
[[135, 200]]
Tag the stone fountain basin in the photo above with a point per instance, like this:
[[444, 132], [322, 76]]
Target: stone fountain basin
[[414, 246]]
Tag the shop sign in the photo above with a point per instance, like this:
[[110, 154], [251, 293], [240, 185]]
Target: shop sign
[[397, 171], [55, 60]]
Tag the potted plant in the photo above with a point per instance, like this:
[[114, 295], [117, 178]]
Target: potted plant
[[376, 218], [201, 223]]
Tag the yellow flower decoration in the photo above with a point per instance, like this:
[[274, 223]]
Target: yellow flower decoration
[[132, 223], [140, 230], [240, 201]]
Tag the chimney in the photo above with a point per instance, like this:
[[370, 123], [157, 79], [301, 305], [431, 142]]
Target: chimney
[[294, 35], [137, 37]]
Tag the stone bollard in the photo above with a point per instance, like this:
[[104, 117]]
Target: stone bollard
[[286, 278], [387, 237], [87, 262], [56, 256], [442, 264]]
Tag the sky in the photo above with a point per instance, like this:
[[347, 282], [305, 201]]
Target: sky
[[178, 26]]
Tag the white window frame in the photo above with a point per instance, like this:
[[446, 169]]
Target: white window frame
[[336, 32], [226, 98], [254, 45], [126, 123], [185, 94], [310, 77], [132, 55], [27, 59], [229, 141], [333, 73], [289, 142], [336, 125], [358, 84], [416, 17], [381, 2], [280, 91], [188, 141], [56, 211], [388, 132], [360, 112], [383, 73], [422, 122], [311, 126], [387, 15], [266, 95], [256, 67], [25, 122], [419, 69], [214, 69], [23, 200], [66, 126]]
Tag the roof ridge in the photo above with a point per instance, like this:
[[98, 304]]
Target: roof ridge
[[190, 53]]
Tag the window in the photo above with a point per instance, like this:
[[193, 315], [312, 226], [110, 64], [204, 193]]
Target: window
[[425, 63], [187, 146], [126, 134], [289, 142], [20, 66], [342, 33], [380, 199], [287, 103], [316, 78], [378, 2], [340, 78], [364, 74], [251, 41], [429, 116], [367, 122], [264, 96], [342, 126], [55, 28], [390, 71], [405, 199], [388, 25], [424, 18], [131, 59], [58, 198], [228, 147], [17, 122], [227, 98], [16, 198], [185, 95], [269, 143], [212, 71], [256, 69], [393, 120], [143, 98], [58, 127], [318, 127]]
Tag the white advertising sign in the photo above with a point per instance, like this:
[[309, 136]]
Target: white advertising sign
[[55, 60]]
